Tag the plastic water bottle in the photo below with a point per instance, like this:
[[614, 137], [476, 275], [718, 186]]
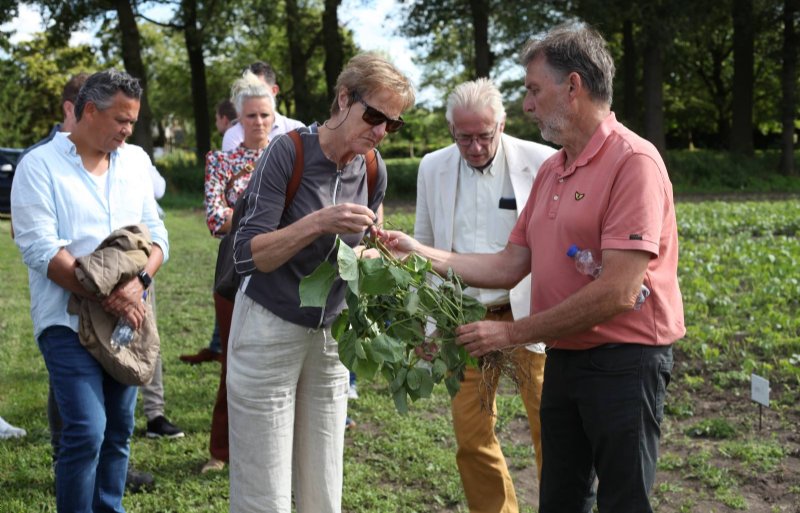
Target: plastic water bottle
[[589, 263], [122, 336]]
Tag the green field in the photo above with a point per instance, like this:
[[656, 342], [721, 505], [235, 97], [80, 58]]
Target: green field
[[740, 278]]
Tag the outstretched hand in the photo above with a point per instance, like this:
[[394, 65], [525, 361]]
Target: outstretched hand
[[400, 244]]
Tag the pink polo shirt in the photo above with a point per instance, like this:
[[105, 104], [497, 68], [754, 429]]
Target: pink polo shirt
[[616, 195]]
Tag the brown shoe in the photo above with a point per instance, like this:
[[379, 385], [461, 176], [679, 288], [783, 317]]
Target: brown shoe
[[204, 355]]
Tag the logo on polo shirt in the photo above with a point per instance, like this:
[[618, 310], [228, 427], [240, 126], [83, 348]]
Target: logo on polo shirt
[[579, 196]]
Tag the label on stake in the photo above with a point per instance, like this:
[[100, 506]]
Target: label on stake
[[759, 390]]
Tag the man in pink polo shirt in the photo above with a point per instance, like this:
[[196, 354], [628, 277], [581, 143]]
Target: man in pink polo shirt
[[608, 365]]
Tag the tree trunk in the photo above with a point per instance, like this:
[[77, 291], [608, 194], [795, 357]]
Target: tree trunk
[[788, 82], [630, 112], [297, 62], [741, 140], [654, 95], [132, 58], [480, 34], [332, 42], [197, 67]]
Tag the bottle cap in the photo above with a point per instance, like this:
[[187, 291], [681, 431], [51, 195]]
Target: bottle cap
[[572, 250]]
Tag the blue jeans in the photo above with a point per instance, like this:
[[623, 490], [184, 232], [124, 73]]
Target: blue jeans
[[97, 416], [601, 411]]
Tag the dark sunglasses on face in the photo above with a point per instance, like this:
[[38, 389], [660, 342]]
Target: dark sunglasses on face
[[375, 117]]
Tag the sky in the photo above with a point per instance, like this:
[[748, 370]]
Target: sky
[[373, 28]]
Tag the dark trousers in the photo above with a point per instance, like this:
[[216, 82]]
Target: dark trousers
[[601, 412], [218, 444]]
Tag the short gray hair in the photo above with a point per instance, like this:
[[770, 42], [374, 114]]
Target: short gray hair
[[576, 47], [101, 88], [249, 86], [475, 96]]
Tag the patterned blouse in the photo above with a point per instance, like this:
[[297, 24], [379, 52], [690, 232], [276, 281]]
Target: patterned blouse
[[227, 176]]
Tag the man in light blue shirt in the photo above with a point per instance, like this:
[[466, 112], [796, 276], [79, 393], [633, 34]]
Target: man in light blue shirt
[[68, 195]]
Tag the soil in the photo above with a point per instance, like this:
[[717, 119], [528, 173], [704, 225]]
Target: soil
[[682, 489]]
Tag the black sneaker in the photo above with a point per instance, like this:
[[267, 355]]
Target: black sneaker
[[161, 427], [137, 481]]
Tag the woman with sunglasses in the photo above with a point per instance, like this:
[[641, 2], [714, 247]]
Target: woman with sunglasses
[[287, 389]]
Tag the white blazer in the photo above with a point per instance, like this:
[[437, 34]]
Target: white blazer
[[437, 182]]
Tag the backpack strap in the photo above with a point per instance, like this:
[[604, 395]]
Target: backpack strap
[[297, 170]]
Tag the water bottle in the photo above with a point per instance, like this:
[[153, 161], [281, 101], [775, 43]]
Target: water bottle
[[123, 331], [588, 263]]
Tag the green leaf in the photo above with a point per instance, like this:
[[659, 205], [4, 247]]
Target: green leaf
[[376, 277], [438, 370], [315, 287], [411, 302], [341, 324], [348, 350], [411, 331], [348, 266], [413, 379], [402, 278], [399, 380], [389, 349], [425, 382], [348, 262], [453, 385], [401, 401], [418, 264], [473, 310]]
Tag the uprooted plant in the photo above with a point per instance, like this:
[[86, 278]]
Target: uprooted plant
[[400, 321]]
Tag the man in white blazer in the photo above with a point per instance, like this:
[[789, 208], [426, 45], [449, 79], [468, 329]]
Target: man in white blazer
[[469, 196]]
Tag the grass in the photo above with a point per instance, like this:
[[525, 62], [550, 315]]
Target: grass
[[742, 314]]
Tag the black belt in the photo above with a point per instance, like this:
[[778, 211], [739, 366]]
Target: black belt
[[498, 309]]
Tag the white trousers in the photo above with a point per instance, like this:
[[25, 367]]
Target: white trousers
[[287, 403]]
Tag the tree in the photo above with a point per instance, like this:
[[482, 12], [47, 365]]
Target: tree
[[789, 84], [30, 93], [741, 140], [454, 35], [74, 14], [333, 44]]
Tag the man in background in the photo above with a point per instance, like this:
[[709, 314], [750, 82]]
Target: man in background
[[469, 196]]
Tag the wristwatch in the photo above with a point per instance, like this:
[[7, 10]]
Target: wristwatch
[[145, 278]]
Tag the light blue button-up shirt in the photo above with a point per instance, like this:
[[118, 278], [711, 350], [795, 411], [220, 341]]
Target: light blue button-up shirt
[[55, 204]]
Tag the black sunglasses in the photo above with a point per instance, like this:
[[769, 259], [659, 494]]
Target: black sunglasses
[[375, 117]]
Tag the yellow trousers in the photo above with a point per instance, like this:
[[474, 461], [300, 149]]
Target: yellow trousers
[[484, 474]]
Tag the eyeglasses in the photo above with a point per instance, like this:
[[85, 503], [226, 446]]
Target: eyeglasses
[[482, 139], [375, 117]]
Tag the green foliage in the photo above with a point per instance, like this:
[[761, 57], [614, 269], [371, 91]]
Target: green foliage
[[384, 327], [712, 428], [758, 455], [182, 172], [30, 90]]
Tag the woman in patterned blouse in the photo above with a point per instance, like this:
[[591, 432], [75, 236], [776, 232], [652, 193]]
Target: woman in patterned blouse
[[227, 176], [227, 173]]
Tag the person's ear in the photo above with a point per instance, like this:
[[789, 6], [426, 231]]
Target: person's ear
[[275, 90], [344, 99]]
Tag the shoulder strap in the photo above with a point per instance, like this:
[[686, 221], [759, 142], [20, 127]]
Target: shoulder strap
[[297, 170]]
